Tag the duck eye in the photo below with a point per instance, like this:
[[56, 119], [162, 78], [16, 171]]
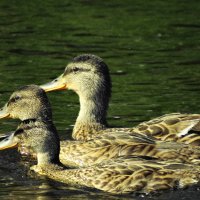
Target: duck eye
[[75, 69], [19, 131], [14, 99]]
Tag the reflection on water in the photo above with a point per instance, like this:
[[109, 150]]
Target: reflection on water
[[151, 47]]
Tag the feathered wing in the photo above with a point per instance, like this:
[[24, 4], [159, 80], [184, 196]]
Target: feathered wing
[[115, 144], [105, 147], [178, 127]]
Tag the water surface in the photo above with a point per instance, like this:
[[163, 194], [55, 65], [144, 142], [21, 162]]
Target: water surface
[[152, 50]]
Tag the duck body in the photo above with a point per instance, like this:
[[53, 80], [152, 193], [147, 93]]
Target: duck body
[[126, 175]]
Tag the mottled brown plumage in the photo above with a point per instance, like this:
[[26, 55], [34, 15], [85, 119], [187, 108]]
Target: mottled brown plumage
[[32, 105], [126, 175], [173, 127], [111, 145]]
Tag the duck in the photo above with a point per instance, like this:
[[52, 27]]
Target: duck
[[123, 174], [88, 76], [30, 103]]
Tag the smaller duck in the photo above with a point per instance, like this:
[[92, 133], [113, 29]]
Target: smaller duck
[[122, 175], [30, 104]]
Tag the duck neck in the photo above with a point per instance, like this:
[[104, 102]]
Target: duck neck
[[46, 158], [42, 137], [51, 145], [92, 116]]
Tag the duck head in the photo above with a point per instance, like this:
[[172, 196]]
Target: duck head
[[86, 75], [42, 140], [36, 131], [28, 102]]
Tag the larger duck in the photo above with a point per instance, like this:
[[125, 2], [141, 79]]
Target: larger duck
[[30, 104], [118, 176], [88, 75]]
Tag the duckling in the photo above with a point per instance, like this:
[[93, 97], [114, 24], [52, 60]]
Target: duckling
[[30, 104], [88, 75], [122, 175]]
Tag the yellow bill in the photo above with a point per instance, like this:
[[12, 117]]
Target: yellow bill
[[56, 84], [8, 141], [4, 112]]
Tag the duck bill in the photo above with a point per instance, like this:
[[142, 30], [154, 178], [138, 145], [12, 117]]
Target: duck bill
[[8, 141], [4, 112], [56, 84]]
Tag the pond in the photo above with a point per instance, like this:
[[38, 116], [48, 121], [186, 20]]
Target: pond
[[151, 47]]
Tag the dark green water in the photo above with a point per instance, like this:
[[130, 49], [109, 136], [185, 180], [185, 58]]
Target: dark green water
[[151, 47]]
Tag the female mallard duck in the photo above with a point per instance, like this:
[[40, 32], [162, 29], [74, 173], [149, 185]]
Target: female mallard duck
[[30, 104], [120, 175], [88, 76]]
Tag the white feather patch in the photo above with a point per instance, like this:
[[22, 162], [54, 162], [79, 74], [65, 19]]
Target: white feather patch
[[189, 125]]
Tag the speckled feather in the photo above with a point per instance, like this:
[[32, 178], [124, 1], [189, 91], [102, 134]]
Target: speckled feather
[[114, 144], [126, 175], [177, 127], [183, 128]]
